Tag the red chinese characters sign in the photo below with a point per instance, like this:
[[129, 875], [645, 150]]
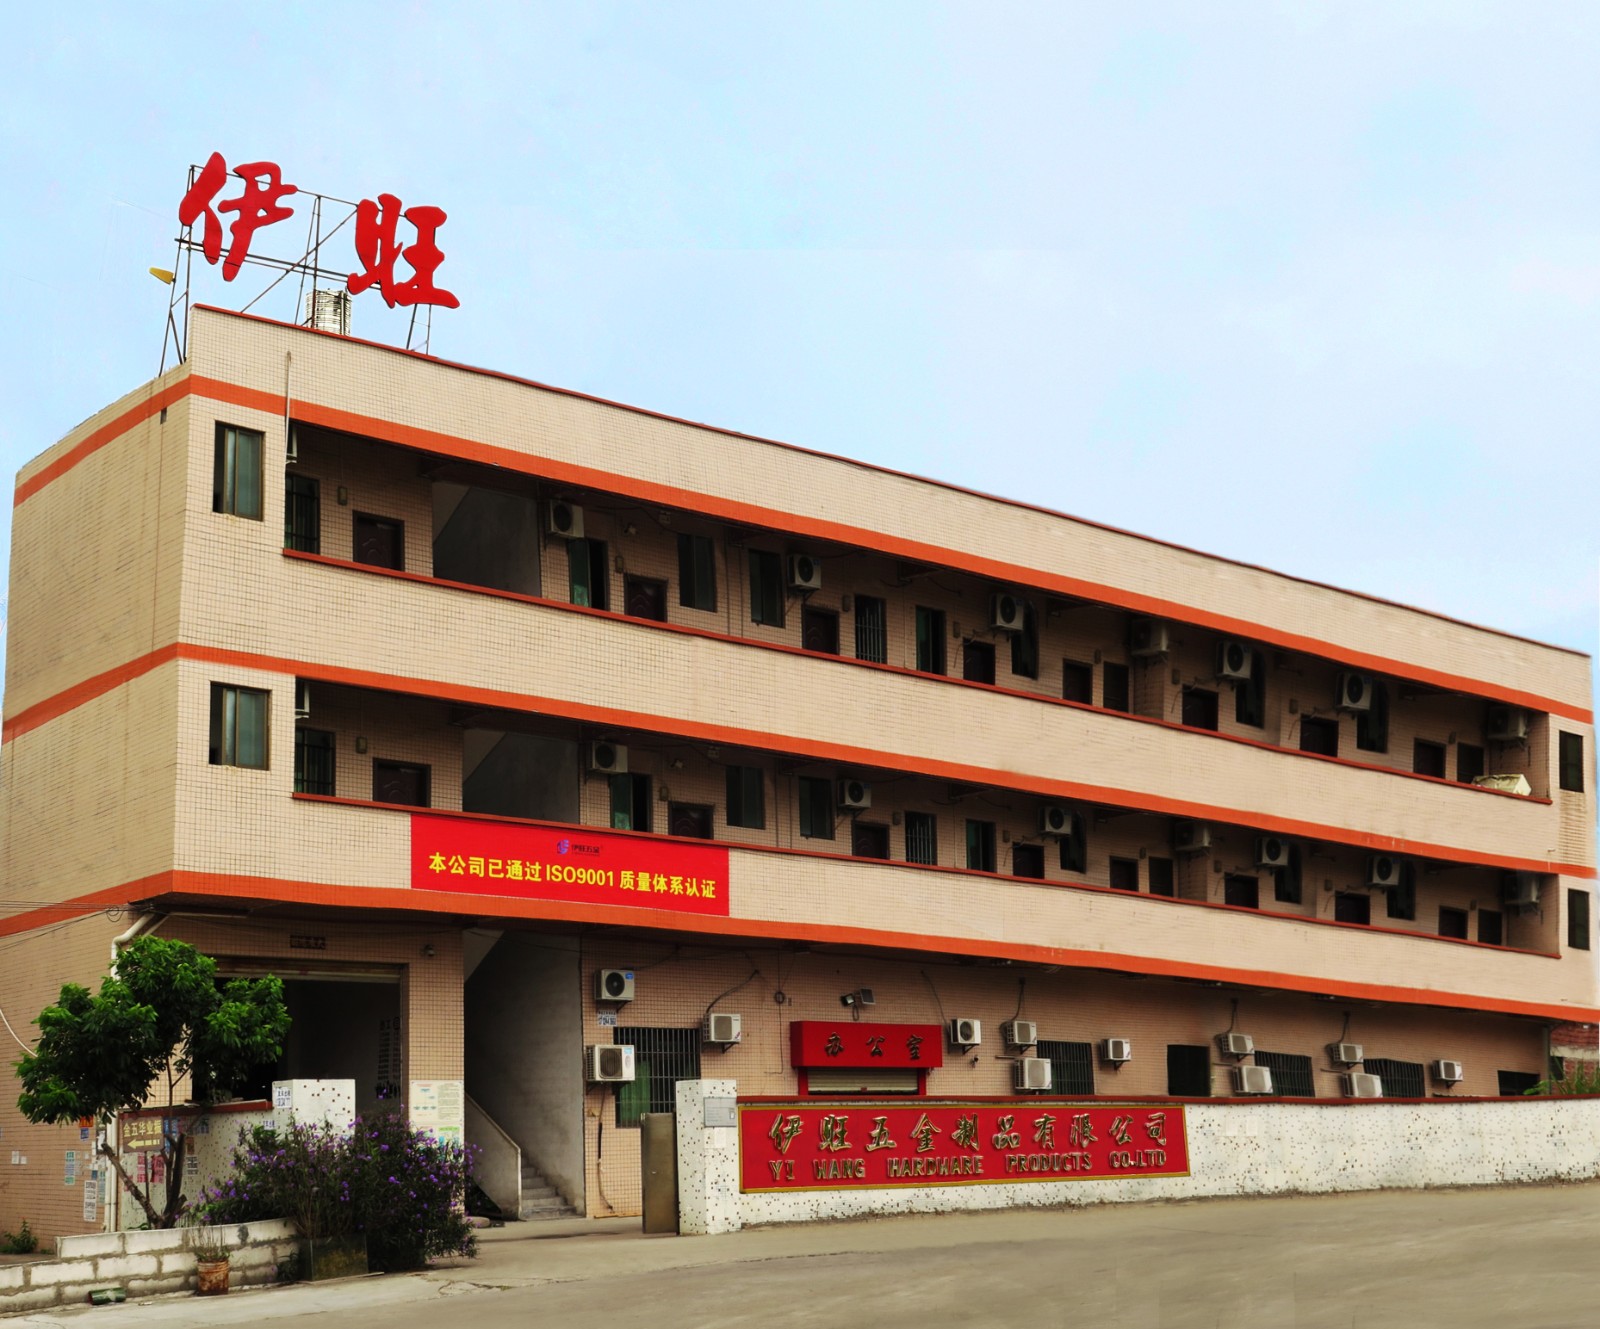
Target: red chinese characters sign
[[800, 1146], [854, 1044], [260, 203], [567, 863]]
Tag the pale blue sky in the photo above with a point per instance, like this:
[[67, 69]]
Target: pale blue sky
[[1314, 286]]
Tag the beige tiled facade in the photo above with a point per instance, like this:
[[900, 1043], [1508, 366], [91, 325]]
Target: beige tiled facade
[[471, 657]]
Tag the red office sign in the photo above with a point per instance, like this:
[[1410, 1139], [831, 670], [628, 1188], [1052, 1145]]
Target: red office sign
[[853, 1044], [868, 1145], [570, 863]]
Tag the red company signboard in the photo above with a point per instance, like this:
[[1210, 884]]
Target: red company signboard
[[567, 863], [804, 1147]]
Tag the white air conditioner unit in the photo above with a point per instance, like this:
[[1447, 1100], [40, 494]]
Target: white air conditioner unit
[[1236, 1045], [1358, 1084], [966, 1033], [1031, 1074], [1006, 613], [1355, 692], [564, 519], [607, 758], [613, 985], [723, 1029], [1448, 1072], [855, 795], [1271, 852], [1147, 637], [302, 700], [1020, 1033], [1520, 890], [1252, 1080], [1346, 1054], [1190, 837], [1055, 819], [610, 1063], [805, 573], [1507, 724], [1384, 870], [1116, 1050], [1234, 660]]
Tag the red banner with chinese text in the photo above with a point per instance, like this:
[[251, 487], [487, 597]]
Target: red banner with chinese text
[[804, 1147], [567, 863], [861, 1044]]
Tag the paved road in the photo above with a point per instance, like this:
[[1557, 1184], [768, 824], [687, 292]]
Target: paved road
[[1406, 1260]]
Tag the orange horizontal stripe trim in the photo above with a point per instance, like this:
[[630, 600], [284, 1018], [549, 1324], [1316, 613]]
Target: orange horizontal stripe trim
[[847, 755], [773, 519], [93, 442], [44, 711], [81, 906], [443, 902], [784, 648]]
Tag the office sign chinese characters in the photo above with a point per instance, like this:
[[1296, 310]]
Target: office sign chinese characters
[[803, 1146], [567, 863]]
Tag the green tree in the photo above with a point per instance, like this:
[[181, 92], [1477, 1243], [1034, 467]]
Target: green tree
[[160, 1015]]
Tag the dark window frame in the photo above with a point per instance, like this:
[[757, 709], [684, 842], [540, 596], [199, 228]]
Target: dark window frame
[[226, 718], [425, 770], [747, 797], [302, 513], [661, 1057], [1025, 858], [1250, 694], [697, 572], [1429, 758], [1077, 682], [981, 841], [1571, 775], [1372, 724], [1025, 645], [1578, 915], [322, 754], [1125, 868], [922, 835], [1452, 922], [1399, 1076], [227, 495], [1071, 1066], [377, 519], [1116, 687], [871, 615], [768, 594], [594, 585], [1292, 1075], [814, 798], [1189, 1070], [932, 657]]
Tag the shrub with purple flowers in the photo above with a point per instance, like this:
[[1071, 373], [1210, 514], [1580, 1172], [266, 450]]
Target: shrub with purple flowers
[[401, 1188]]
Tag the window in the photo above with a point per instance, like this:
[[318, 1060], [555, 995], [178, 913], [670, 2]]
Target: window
[[693, 821], [1401, 901], [1427, 758], [1286, 887], [238, 726], [1320, 736], [302, 514], [1469, 762], [644, 597], [1114, 687], [1074, 849], [766, 588], [816, 808], [819, 631], [406, 783], [1200, 708], [930, 640], [1491, 927], [697, 572], [1027, 860], [1071, 1066], [1077, 682], [1514, 1084], [869, 839], [1348, 907], [980, 846], [588, 573], [1250, 694], [872, 629], [1242, 891], [1372, 724], [1025, 645], [1291, 1074], [378, 542], [1188, 1070], [922, 838], [977, 662], [1160, 870], [1577, 919], [630, 802], [1452, 922], [313, 761], [747, 797], [661, 1057], [1401, 1079], [1125, 874], [1572, 762], [236, 472]]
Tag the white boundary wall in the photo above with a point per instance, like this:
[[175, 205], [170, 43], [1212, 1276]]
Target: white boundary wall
[[1236, 1147]]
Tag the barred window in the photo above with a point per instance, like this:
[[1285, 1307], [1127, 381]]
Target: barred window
[[1071, 1066], [661, 1057], [922, 838], [313, 761], [1401, 1079], [1291, 1074], [872, 632], [302, 514]]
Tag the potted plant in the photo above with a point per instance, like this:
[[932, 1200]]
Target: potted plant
[[211, 1265]]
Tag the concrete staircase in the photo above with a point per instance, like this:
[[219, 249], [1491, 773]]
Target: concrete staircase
[[541, 1200]]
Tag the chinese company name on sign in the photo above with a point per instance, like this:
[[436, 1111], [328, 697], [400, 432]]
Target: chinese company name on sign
[[881, 1046], [260, 204], [792, 1146], [567, 863]]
